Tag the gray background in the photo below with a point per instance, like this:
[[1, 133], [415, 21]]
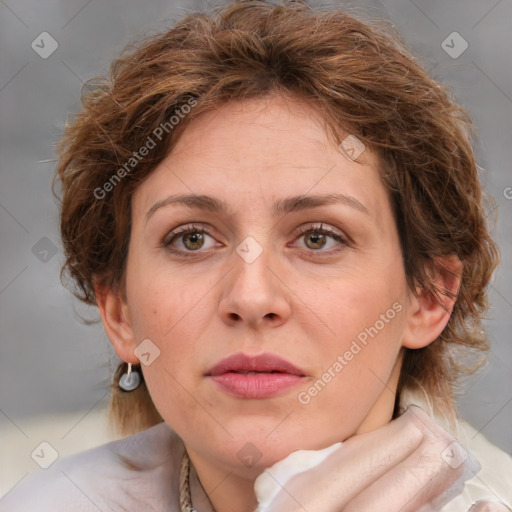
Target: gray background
[[52, 364]]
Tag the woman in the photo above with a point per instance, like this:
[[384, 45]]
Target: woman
[[278, 215]]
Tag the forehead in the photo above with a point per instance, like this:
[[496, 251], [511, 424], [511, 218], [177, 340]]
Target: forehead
[[265, 148]]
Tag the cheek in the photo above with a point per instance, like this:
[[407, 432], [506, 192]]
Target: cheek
[[167, 317], [169, 312], [162, 304], [366, 321], [362, 309], [168, 391], [355, 373]]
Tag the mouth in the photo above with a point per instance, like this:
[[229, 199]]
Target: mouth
[[255, 377]]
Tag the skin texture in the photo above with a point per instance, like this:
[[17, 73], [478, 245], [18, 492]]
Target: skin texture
[[299, 300]]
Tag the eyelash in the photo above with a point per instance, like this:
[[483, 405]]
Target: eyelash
[[194, 228]]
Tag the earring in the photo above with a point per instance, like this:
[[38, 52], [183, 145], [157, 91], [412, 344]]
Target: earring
[[129, 380]]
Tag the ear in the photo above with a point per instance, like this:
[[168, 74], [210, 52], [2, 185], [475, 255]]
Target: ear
[[427, 316], [115, 315]]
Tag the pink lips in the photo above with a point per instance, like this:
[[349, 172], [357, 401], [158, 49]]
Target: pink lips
[[259, 376]]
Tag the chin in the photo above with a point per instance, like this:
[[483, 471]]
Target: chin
[[256, 450]]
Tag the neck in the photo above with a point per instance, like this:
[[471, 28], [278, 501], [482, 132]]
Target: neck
[[226, 491], [382, 411]]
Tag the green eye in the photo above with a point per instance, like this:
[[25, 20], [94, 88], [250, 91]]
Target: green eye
[[187, 239], [317, 237]]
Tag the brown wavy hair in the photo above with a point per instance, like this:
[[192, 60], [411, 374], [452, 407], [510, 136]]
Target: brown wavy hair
[[361, 78]]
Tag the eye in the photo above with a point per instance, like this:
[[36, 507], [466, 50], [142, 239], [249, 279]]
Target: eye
[[317, 238], [187, 239], [190, 239]]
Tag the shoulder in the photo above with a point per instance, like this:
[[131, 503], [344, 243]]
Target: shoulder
[[114, 476]]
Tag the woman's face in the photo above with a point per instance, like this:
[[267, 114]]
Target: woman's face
[[260, 280]]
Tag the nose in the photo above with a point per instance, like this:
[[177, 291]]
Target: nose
[[255, 294]]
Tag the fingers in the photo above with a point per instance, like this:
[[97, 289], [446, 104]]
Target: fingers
[[415, 484], [364, 459], [427, 480], [351, 468], [488, 506], [410, 464]]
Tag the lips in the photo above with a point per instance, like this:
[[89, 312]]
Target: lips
[[255, 377], [263, 363]]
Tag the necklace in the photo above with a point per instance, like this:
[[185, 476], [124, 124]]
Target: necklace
[[185, 498]]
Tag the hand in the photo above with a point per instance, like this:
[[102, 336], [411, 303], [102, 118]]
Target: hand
[[411, 464], [488, 506]]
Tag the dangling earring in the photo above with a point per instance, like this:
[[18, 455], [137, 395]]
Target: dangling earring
[[129, 380]]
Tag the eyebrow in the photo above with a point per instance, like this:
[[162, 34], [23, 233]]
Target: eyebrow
[[280, 207]]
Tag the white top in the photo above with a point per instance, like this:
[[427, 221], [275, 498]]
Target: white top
[[98, 479]]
